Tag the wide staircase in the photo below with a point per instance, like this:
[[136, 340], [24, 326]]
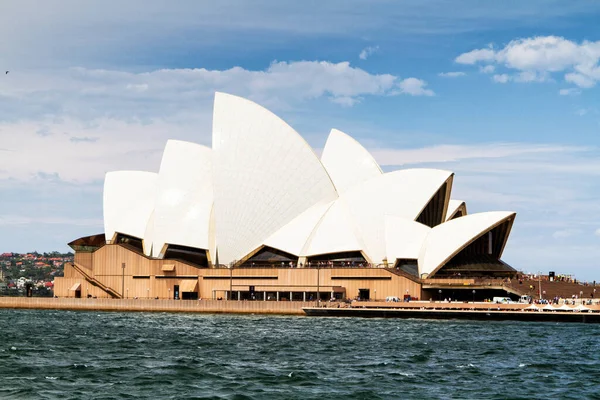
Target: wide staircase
[[551, 290], [404, 274], [95, 282]]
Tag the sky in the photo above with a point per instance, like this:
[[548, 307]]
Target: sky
[[504, 94]]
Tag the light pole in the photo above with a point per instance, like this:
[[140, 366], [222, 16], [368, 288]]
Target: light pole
[[375, 295], [440, 292], [540, 284], [318, 288], [148, 292], [169, 298], [123, 280], [127, 293], [473, 295], [230, 281]]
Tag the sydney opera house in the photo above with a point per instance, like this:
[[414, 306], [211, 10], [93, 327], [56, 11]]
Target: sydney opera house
[[260, 216]]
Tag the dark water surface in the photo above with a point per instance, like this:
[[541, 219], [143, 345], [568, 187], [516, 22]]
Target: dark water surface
[[93, 355]]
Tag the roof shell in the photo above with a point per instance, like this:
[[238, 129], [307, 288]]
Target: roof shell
[[403, 238], [128, 202], [347, 162], [293, 236], [265, 175], [403, 193], [454, 206], [336, 232], [184, 197], [446, 240]]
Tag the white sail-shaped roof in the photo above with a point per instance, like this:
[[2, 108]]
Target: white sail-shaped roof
[[292, 237], [265, 175], [446, 240], [347, 162], [453, 207], [403, 193], [336, 232], [149, 236], [184, 198], [128, 202], [403, 238]]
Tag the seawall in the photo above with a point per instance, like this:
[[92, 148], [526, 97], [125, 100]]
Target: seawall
[[151, 305]]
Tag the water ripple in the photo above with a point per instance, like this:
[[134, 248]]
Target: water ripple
[[74, 355]]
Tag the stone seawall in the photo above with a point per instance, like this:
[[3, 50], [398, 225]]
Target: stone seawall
[[146, 305]]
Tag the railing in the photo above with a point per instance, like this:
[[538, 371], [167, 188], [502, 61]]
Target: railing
[[113, 293]]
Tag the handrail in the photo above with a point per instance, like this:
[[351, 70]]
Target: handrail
[[113, 293]]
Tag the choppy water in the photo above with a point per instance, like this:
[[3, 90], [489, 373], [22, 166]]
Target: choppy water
[[83, 355]]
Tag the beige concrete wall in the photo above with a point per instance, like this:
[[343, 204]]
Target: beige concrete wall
[[204, 306], [143, 278]]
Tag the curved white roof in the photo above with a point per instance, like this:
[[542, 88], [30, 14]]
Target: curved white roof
[[292, 237], [446, 240], [453, 207], [403, 238], [185, 197], [403, 193], [149, 235], [265, 175], [128, 202], [335, 233], [347, 162]]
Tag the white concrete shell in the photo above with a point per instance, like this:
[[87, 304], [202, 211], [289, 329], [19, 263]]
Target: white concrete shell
[[347, 162], [265, 175], [149, 236], [403, 238], [185, 197], [336, 232], [445, 241], [454, 206], [128, 202], [403, 193], [293, 236]]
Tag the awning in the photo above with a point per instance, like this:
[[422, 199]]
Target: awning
[[168, 267], [76, 287], [189, 286]]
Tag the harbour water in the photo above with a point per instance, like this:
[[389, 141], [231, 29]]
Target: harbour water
[[111, 355]]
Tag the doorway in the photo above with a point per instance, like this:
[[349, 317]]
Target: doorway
[[364, 294]]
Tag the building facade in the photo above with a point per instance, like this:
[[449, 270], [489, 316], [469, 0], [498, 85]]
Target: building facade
[[260, 216]]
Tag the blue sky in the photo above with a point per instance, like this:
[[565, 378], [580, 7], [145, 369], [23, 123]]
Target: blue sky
[[505, 94]]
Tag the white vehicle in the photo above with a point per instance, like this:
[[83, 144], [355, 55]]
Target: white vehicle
[[502, 300], [392, 299], [525, 299]]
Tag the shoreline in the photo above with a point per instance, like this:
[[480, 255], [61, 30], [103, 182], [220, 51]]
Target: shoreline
[[457, 314], [161, 305], [418, 310]]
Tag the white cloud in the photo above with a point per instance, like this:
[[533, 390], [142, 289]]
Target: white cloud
[[487, 69], [535, 58], [475, 56], [569, 92], [565, 233], [90, 93], [11, 220], [414, 87], [452, 153], [367, 52], [597, 232], [77, 124], [531, 76], [502, 78], [580, 80], [451, 74]]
